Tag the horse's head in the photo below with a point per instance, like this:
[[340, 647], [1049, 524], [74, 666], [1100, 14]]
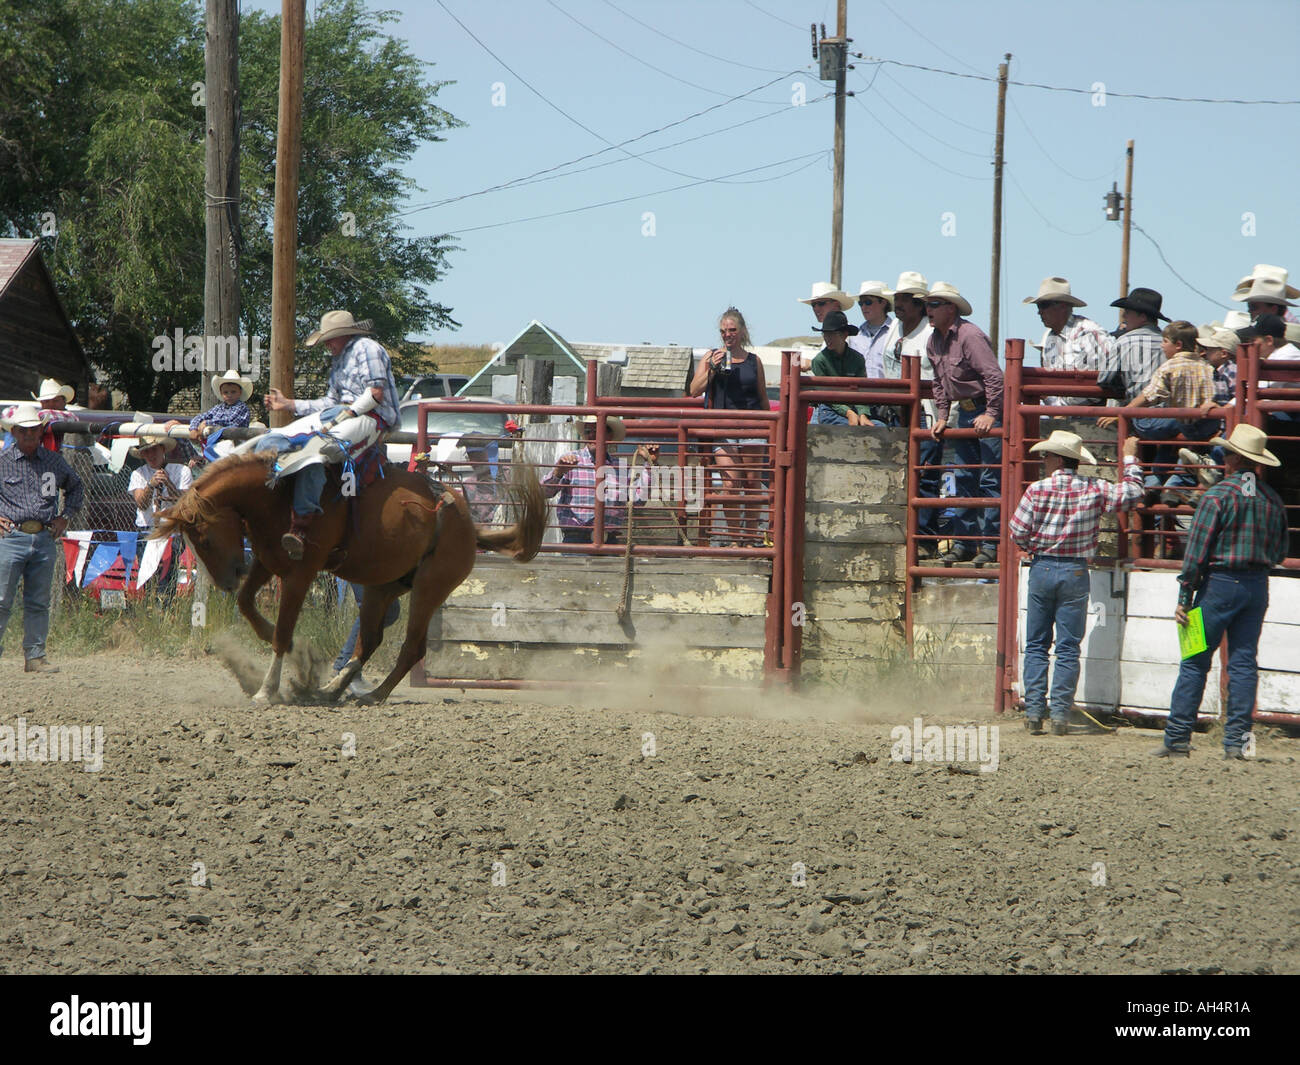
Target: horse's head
[[213, 528]]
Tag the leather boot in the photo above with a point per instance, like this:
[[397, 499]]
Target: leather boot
[[294, 541]]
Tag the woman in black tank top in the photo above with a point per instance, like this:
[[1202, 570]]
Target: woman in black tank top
[[731, 378]]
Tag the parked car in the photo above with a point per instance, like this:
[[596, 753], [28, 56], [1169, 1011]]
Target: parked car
[[431, 385], [490, 423]]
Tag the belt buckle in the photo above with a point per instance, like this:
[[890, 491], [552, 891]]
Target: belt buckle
[[966, 404], [31, 527]]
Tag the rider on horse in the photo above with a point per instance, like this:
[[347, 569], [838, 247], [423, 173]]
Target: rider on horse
[[358, 408]]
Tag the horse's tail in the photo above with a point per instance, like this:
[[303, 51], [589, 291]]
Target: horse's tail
[[523, 538]]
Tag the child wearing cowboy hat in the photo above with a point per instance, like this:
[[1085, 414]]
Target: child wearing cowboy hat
[[232, 412]]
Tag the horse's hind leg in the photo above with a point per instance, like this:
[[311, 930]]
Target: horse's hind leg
[[375, 601]]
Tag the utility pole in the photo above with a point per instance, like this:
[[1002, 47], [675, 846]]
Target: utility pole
[[832, 55], [1128, 221], [995, 284], [288, 147], [221, 185]]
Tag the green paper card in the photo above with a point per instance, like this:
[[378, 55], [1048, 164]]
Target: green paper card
[[1191, 637]]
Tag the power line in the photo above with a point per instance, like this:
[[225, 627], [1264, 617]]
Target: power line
[[539, 174], [906, 118], [1050, 224], [928, 40], [683, 44], [645, 63], [1175, 272], [940, 166], [941, 114], [772, 16], [1050, 158], [813, 158], [1081, 92]]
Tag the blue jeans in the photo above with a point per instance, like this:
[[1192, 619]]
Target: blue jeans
[[1231, 602], [824, 415], [1167, 429], [28, 557], [930, 453], [307, 482], [350, 644], [972, 483], [1058, 597]]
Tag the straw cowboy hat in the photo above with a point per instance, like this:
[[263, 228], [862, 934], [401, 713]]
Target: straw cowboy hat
[[615, 430], [1266, 289], [911, 283], [1292, 333], [877, 288], [25, 416], [942, 290], [824, 290], [339, 324], [1055, 290], [1236, 320], [1248, 442], [1067, 445], [167, 443], [233, 377], [1264, 272], [51, 389], [1143, 300]]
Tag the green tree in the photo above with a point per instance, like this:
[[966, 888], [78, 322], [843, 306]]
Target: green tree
[[99, 124]]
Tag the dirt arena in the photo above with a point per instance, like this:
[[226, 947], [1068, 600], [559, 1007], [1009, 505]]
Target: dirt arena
[[470, 834]]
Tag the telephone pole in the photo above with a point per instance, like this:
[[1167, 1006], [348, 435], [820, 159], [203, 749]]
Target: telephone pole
[[221, 184], [1128, 220], [832, 56], [288, 147], [995, 284]]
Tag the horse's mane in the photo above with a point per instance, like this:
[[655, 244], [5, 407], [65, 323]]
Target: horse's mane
[[193, 508]]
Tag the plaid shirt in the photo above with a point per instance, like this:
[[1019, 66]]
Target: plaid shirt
[[576, 508], [1137, 354], [361, 365], [22, 479], [224, 414], [1080, 345], [1183, 381], [1234, 527], [1060, 515], [1225, 383]]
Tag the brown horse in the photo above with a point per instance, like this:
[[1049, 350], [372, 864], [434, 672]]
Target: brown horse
[[403, 535]]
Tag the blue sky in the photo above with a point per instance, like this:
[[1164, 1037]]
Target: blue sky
[[920, 146]]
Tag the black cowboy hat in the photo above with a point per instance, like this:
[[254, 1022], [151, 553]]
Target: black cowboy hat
[[837, 322], [1143, 300]]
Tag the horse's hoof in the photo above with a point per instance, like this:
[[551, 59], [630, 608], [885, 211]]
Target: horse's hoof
[[266, 699]]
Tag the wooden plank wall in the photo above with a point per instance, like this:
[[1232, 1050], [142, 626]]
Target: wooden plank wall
[[691, 621], [853, 556]]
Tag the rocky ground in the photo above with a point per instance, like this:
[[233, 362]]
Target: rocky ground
[[447, 832]]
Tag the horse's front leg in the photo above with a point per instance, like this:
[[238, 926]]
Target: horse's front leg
[[256, 580], [293, 590]]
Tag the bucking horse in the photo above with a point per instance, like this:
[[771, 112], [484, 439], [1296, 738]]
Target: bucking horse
[[399, 533]]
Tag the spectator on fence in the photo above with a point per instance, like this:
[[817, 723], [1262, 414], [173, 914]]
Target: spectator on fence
[[1136, 354], [824, 299], [1058, 522], [1265, 291], [231, 413], [155, 486], [53, 398], [909, 335], [480, 483], [731, 378], [967, 376], [1238, 534], [838, 359], [1071, 342], [875, 301], [573, 479], [1267, 340], [359, 685], [30, 524]]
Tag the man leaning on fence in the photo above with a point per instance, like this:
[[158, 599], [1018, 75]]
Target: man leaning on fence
[[31, 479], [1238, 534], [1058, 522]]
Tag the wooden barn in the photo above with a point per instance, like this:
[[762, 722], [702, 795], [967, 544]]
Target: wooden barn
[[36, 338], [534, 341]]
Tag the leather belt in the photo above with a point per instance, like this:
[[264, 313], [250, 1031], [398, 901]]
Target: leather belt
[[1061, 558]]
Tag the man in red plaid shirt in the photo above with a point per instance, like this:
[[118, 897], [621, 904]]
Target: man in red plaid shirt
[[1058, 521]]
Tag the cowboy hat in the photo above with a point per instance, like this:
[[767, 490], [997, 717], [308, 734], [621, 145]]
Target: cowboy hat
[[233, 377], [942, 290], [165, 442], [1143, 300], [1265, 290], [911, 283], [1264, 272], [25, 416], [1292, 332], [1067, 445], [339, 324], [1211, 336], [614, 428], [1249, 443], [877, 288], [1055, 290], [824, 290], [837, 322], [1236, 320], [51, 389]]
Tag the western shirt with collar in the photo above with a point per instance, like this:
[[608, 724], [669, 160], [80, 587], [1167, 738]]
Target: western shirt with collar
[[965, 368], [1137, 354], [363, 364], [1240, 523], [870, 343], [1080, 345], [26, 491]]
